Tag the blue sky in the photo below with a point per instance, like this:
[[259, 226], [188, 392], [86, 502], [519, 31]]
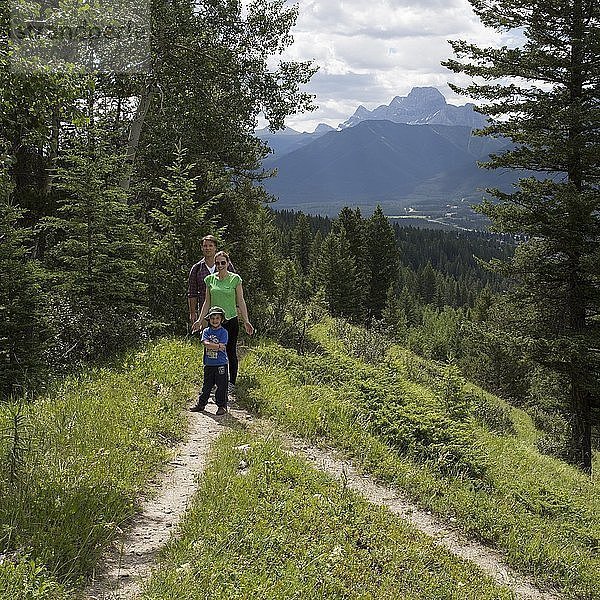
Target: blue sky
[[369, 51]]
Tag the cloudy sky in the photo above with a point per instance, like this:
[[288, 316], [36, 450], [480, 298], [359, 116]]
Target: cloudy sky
[[369, 51]]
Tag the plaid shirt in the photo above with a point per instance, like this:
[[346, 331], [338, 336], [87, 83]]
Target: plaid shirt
[[196, 285]]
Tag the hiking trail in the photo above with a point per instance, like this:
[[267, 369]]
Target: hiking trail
[[130, 560]]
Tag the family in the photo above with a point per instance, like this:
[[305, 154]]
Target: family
[[216, 304]]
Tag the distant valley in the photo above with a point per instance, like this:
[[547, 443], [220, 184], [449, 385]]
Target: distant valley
[[415, 157]]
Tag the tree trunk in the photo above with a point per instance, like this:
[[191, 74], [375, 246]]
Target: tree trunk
[[53, 152], [581, 427], [581, 400], [135, 132]]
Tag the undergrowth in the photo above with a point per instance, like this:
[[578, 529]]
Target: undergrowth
[[455, 449]]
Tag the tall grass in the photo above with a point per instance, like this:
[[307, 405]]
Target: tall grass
[[484, 472], [73, 462], [265, 525]]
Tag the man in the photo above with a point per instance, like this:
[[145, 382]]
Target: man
[[196, 285]]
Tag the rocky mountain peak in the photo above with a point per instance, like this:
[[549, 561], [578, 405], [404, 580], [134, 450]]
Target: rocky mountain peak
[[423, 105], [421, 96]]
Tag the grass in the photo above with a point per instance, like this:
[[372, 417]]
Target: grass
[[484, 471], [265, 525], [74, 461]]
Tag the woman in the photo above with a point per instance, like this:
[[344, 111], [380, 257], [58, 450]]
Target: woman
[[225, 289]]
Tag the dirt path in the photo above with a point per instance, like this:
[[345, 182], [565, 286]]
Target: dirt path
[[488, 560], [130, 563]]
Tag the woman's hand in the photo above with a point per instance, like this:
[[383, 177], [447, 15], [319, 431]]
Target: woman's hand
[[196, 325], [249, 328]]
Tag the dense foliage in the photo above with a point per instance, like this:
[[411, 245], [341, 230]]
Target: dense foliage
[[442, 302], [112, 171], [431, 266], [543, 95]]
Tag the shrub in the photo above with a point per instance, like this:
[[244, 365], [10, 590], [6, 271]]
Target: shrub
[[491, 412], [23, 579]]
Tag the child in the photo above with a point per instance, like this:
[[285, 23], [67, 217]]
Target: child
[[214, 339]]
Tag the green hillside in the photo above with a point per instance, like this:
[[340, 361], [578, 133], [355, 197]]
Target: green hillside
[[75, 462], [457, 450]]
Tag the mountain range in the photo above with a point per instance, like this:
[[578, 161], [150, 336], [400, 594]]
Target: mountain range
[[416, 157], [422, 106]]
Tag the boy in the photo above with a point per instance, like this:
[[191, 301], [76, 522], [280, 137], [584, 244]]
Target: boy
[[214, 339]]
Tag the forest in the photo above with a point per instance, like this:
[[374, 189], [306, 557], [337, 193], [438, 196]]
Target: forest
[[110, 177]]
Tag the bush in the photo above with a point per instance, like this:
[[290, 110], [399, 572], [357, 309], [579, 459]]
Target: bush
[[428, 436], [438, 336], [369, 344], [74, 338], [288, 322], [491, 412], [23, 579]]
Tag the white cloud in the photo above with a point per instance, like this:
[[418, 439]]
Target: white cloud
[[369, 52]]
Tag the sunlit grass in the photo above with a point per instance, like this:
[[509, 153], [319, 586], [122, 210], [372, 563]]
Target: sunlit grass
[[74, 461], [265, 525], [543, 514]]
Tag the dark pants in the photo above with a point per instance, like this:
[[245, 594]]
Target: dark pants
[[214, 375], [233, 329]]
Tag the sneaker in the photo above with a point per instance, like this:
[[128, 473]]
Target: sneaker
[[197, 408], [231, 388], [221, 411]]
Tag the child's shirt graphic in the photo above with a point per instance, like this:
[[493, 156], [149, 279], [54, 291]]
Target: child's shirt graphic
[[217, 336]]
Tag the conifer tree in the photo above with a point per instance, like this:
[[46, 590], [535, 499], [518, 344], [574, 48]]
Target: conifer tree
[[315, 262], [249, 236], [338, 275], [182, 221], [301, 241], [97, 295], [382, 252], [427, 284], [544, 96], [262, 262], [20, 348], [356, 231]]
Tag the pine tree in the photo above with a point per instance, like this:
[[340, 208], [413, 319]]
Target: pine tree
[[20, 347], [249, 236], [338, 275], [383, 258], [315, 262], [427, 284], [544, 96], [355, 228], [97, 295], [182, 221], [301, 241]]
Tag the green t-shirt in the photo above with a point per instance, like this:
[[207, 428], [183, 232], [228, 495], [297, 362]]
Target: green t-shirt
[[222, 292]]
